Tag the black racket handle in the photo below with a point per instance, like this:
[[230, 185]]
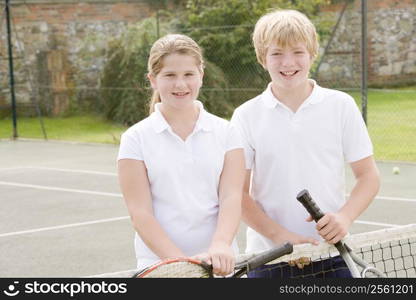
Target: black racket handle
[[305, 198], [313, 209], [268, 256]]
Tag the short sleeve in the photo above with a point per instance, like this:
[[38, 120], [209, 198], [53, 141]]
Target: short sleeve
[[130, 147], [245, 139], [356, 140], [233, 139]]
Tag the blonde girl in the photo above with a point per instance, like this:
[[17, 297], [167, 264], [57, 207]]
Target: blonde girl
[[181, 170]]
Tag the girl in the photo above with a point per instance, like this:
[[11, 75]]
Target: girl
[[181, 170]]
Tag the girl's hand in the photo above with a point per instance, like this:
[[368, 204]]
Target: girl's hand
[[221, 256]]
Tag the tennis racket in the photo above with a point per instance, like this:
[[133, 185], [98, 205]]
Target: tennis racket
[[351, 259], [192, 268]]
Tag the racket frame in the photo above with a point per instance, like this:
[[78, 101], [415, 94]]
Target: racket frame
[[240, 268], [262, 258], [142, 273], [349, 257]]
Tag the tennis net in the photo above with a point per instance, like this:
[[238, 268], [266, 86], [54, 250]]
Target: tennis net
[[392, 251]]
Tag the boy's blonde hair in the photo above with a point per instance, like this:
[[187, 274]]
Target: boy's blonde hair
[[284, 28], [169, 44]]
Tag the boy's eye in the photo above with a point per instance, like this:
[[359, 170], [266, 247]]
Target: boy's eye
[[276, 53], [189, 74]]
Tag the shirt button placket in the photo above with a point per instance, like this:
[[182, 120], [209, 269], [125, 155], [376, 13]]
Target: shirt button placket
[[188, 152], [295, 121]]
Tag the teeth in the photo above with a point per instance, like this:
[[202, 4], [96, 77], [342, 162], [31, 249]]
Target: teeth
[[288, 73], [180, 94]]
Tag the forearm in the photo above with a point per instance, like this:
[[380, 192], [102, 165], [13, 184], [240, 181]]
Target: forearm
[[230, 194], [229, 217], [256, 218], [135, 187], [364, 191], [154, 236]]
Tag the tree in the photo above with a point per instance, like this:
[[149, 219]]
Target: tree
[[125, 90], [224, 28]]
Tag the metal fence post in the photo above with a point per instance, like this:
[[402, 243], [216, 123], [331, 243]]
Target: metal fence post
[[11, 72], [364, 59]]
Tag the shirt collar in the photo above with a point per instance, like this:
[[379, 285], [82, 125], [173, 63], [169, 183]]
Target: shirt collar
[[160, 124], [270, 101], [203, 122], [316, 96]]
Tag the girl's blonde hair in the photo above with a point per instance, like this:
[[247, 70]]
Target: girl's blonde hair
[[284, 28], [169, 44]]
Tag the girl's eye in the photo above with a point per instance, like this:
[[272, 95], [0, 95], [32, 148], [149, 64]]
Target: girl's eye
[[276, 53], [189, 74]]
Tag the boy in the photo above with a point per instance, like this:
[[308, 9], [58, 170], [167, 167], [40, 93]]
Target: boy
[[298, 136]]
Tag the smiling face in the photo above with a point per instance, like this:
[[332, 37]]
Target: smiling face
[[288, 66], [179, 81]]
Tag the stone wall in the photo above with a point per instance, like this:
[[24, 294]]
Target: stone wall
[[59, 47], [391, 44]]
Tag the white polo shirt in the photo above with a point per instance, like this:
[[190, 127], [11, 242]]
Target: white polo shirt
[[184, 177], [288, 152]]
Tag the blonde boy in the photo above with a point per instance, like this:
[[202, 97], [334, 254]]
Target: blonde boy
[[298, 136]]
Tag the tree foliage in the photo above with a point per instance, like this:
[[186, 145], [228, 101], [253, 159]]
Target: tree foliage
[[224, 29], [125, 90]]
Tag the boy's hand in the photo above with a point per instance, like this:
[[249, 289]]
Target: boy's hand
[[293, 238], [332, 227]]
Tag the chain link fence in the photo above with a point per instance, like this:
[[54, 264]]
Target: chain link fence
[[63, 77]]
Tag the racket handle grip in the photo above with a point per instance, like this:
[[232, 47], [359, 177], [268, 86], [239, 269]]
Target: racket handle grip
[[305, 198], [269, 255]]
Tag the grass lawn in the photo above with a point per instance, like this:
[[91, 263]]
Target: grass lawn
[[91, 129], [391, 122]]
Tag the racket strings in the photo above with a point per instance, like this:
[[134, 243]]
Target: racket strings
[[180, 269]]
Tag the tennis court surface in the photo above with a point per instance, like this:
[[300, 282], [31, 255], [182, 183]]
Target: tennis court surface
[[62, 214]]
